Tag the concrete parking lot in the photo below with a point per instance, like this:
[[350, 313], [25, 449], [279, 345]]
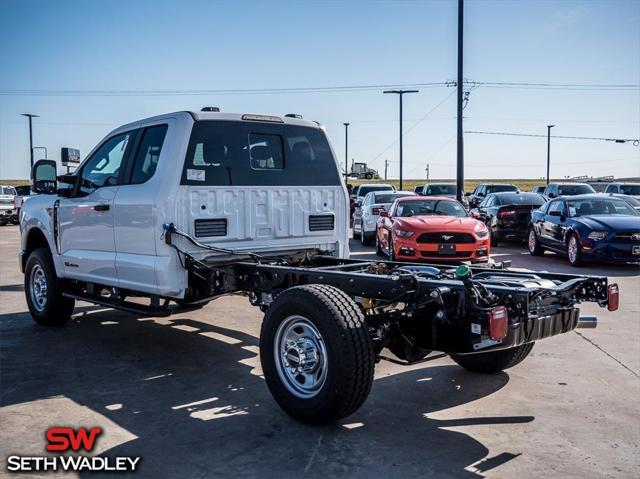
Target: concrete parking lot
[[185, 393]]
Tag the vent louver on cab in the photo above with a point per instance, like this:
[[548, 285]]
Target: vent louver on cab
[[212, 227], [321, 222]]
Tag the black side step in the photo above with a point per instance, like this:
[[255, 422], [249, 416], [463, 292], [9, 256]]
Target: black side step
[[128, 306]]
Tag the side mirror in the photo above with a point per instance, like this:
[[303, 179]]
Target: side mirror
[[384, 214], [358, 204], [70, 188], [480, 194], [467, 194], [43, 177]]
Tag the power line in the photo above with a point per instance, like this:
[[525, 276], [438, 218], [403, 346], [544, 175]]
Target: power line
[[319, 89], [234, 91], [635, 141]]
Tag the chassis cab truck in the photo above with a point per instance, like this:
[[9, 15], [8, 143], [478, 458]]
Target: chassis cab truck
[[179, 209]]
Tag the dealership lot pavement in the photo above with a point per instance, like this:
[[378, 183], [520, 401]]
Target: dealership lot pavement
[[185, 393]]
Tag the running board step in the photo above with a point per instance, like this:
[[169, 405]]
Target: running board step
[[127, 306]]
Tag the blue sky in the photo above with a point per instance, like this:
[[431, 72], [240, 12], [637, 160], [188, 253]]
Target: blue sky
[[182, 45]]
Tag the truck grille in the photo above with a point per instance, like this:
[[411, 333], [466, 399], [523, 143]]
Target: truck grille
[[444, 237], [212, 227], [627, 237], [321, 222]]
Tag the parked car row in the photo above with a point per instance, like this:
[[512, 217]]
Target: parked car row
[[592, 226]]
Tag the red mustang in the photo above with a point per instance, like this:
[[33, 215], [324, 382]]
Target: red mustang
[[431, 228]]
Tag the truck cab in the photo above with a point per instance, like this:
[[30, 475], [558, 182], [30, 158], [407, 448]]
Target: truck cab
[[264, 184]]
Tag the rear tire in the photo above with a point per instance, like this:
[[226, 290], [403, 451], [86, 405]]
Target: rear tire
[[364, 238], [533, 244], [43, 290], [316, 353], [495, 361], [493, 238]]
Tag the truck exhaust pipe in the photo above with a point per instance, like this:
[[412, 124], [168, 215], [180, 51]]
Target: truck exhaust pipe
[[587, 322]]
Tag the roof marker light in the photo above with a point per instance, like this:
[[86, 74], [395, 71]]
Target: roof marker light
[[272, 119]]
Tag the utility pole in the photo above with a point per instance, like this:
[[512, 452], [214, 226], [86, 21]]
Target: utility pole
[[460, 145], [427, 171], [346, 150], [400, 93], [30, 116], [386, 166], [549, 150]]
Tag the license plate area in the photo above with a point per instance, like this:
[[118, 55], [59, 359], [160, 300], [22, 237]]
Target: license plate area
[[447, 249], [635, 249]]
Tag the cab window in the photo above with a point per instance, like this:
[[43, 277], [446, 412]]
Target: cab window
[[148, 154], [556, 206]]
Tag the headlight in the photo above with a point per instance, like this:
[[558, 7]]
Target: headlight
[[404, 233], [598, 235], [482, 234]]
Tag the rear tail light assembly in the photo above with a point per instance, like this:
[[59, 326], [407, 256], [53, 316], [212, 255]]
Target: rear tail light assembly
[[507, 214], [613, 297], [498, 323]]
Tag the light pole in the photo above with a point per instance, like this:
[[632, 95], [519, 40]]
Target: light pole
[[549, 150], [30, 116], [400, 93], [346, 150], [46, 155], [460, 94]]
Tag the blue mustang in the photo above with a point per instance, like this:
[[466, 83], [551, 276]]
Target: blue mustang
[[586, 227]]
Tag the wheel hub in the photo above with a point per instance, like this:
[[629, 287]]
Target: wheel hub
[[300, 356], [38, 288]]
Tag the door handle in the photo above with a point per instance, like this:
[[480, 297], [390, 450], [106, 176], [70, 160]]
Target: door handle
[[101, 207]]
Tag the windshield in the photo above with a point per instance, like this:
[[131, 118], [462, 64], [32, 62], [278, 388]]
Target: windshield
[[8, 190], [435, 190], [388, 197], [528, 199], [599, 206], [572, 190], [630, 190], [632, 201], [368, 189], [498, 188], [430, 208]]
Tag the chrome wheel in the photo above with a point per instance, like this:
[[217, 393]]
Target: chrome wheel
[[38, 288], [532, 240], [572, 249], [300, 356]]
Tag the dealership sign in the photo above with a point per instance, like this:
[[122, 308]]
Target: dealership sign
[[67, 439]]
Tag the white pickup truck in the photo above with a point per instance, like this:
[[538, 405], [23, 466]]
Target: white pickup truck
[[189, 206]]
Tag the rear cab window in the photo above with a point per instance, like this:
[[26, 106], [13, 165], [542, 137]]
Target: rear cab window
[[248, 153]]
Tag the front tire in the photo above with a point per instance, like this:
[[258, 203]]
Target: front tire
[[316, 353], [533, 244], [574, 251], [493, 361], [43, 290]]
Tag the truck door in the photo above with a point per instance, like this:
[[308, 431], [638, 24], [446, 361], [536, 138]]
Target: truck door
[[86, 221], [552, 227], [136, 219]]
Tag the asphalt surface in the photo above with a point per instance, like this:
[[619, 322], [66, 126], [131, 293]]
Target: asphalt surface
[[185, 393]]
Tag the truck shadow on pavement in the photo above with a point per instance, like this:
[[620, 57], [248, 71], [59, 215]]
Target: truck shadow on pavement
[[192, 395]]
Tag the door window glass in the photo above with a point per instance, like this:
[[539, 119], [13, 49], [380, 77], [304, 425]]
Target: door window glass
[[148, 154], [103, 168]]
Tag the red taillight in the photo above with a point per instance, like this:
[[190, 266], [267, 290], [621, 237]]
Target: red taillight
[[506, 214], [498, 323], [613, 297]]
